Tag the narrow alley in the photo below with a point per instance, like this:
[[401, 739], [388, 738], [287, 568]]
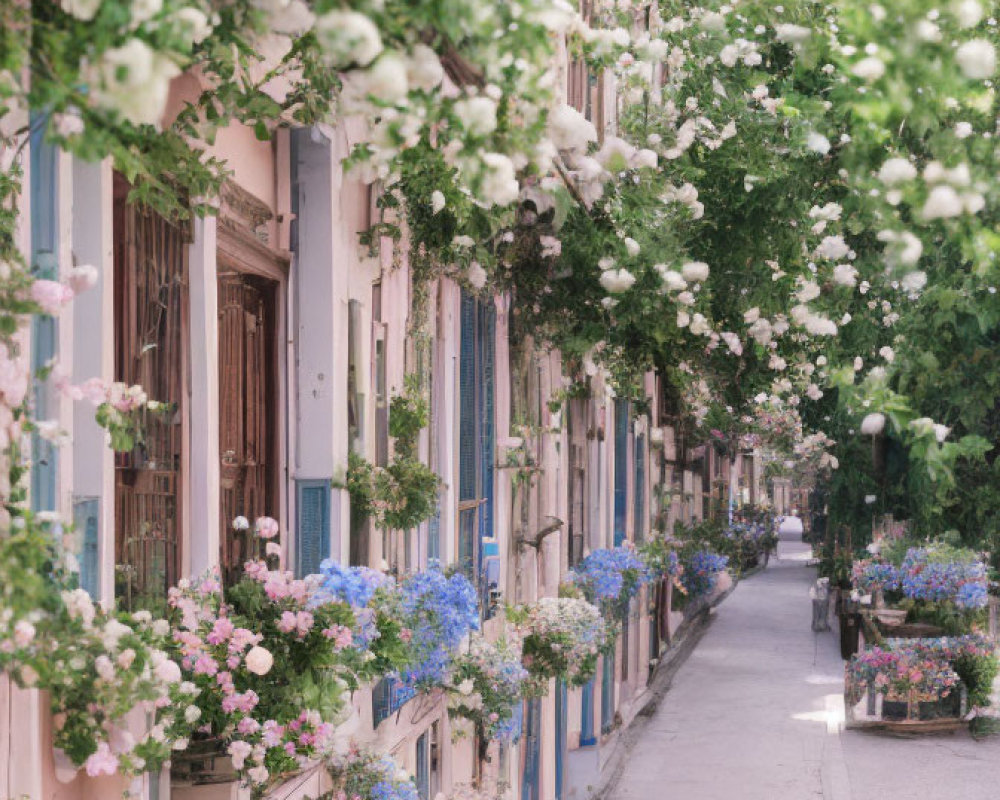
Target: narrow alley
[[756, 713]]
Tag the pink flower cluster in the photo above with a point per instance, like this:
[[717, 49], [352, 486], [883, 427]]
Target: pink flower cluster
[[121, 396], [341, 635], [303, 739], [279, 584], [300, 623]]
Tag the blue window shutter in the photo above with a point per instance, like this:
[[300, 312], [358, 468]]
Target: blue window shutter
[[486, 381], [44, 264], [607, 693], [434, 534], [85, 511], [312, 542], [467, 489], [388, 696], [44, 208], [423, 777], [467, 531], [640, 485], [587, 738], [530, 784], [621, 469]]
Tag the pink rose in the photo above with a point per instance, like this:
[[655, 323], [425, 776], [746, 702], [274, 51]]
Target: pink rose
[[304, 622], [206, 665], [239, 752], [102, 762], [248, 726], [267, 528], [51, 297], [259, 660]]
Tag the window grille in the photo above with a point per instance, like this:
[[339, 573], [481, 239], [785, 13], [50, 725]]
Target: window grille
[[151, 341]]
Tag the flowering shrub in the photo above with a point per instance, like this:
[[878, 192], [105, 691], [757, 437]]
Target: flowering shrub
[[870, 576], [929, 667], [485, 686], [973, 657], [372, 776], [435, 614], [701, 572], [355, 586], [746, 541], [562, 639], [612, 577], [938, 574], [659, 554], [98, 668], [273, 658], [902, 674]]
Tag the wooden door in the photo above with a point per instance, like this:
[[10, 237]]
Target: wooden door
[[151, 301], [247, 401]]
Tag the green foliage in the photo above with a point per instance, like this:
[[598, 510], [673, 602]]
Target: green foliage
[[977, 673], [403, 494]]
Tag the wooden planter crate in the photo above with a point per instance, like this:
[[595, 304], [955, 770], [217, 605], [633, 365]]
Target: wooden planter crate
[[866, 709], [205, 761]]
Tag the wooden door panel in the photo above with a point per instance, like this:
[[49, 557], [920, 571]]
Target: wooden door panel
[[247, 402]]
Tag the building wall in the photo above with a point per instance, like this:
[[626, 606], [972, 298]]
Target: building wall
[[293, 214]]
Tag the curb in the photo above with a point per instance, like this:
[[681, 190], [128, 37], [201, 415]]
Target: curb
[[684, 641]]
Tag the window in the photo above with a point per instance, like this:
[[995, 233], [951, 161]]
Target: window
[[587, 737], [477, 435], [639, 521], [531, 774], [607, 693], [359, 552], [151, 345], [585, 90], [428, 763], [621, 471], [625, 646], [577, 479]]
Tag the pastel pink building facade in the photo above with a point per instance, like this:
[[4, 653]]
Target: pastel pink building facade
[[279, 340]]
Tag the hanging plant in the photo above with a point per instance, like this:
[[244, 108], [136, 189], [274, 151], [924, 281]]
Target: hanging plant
[[485, 686], [610, 578], [436, 613], [563, 636], [403, 494]]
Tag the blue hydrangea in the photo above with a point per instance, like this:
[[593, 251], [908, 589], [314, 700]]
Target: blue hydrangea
[[394, 790], [701, 572], [937, 581], [877, 575], [603, 573], [352, 585], [439, 612], [972, 596]]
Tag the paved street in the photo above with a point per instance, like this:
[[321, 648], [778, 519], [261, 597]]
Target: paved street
[[756, 714]]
